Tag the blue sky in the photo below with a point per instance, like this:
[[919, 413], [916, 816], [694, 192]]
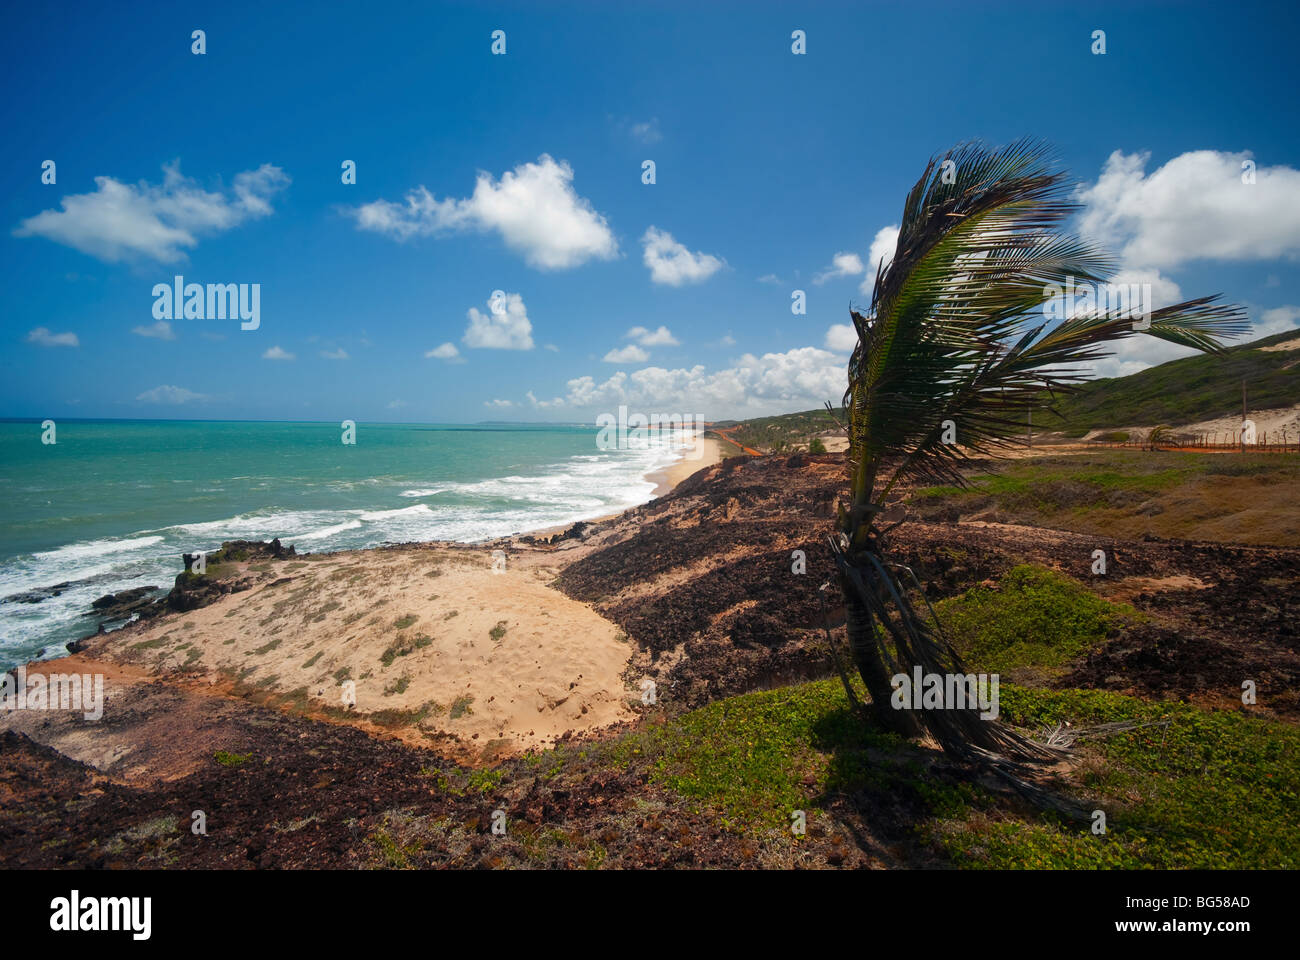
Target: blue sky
[[768, 166]]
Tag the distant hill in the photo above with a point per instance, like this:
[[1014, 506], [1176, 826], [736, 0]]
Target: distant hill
[[1201, 387], [786, 431]]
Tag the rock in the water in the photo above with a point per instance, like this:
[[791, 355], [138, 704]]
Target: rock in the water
[[37, 595]]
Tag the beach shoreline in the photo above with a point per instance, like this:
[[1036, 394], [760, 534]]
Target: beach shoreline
[[665, 480]]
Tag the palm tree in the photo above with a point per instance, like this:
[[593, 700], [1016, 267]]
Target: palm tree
[[957, 341]]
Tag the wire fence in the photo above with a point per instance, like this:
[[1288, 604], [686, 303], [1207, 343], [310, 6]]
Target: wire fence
[[1228, 441]]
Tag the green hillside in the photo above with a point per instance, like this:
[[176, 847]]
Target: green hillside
[[1195, 388], [784, 432]]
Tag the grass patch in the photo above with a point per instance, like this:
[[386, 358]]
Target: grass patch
[[268, 647], [314, 657], [402, 647], [1129, 493], [1210, 790], [228, 759], [399, 718], [461, 706], [498, 632], [1031, 624], [401, 623]]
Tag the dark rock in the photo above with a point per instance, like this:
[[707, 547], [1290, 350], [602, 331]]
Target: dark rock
[[37, 595], [120, 605]]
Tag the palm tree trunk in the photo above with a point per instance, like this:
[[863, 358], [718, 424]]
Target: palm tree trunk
[[871, 666]]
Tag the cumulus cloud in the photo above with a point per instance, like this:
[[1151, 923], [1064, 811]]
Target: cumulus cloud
[[544, 404], [883, 247], [629, 354], [498, 403], [769, 278], [672, 263], [43, 337], [773, 383], [121, 221], [841, 337], [849, 264], [842, 265], [339, 354], [162, 330], [534, 209], [662, 337], [1194, 207], [1276, 320], [504, 327], [170, 395], [277, 353], [446, 351]]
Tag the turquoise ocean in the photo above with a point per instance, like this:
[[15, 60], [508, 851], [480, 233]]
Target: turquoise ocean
[[113, 504]]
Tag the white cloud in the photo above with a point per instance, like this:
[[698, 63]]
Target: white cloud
[[841, 337], [1194, 207], [672, 264], [883, 247], [544, 404], [170, 395], [647, 132], [276, 353], [1276, 320], [445, 351], [397, 404], [769, 278], [43, 336], [652, 338], [849, 264], [534, 208], [339, 354], [629, 354], [497, 403], [162, 330], [121, 221], [552, 347], [842, 265], [802, 378], [504, 327], [727, 340]]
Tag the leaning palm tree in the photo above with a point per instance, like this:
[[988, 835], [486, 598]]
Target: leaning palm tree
[[957, 345]]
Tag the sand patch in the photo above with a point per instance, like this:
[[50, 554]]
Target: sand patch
[[435, 642], [1293, 344]]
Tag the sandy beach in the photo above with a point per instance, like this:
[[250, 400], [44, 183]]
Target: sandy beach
[[705, 453], [430, 643]]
